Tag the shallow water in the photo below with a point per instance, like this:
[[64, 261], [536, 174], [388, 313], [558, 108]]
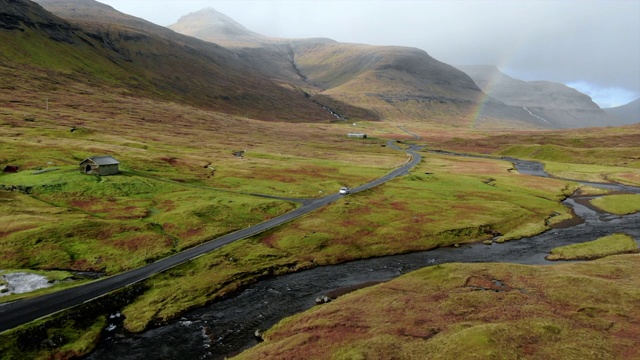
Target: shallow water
[[228, 326]]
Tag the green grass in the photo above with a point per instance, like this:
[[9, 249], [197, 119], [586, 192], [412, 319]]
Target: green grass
[[174, 156], [592, 164], [416, 212], [597, 173], [473, 311], [67, 334], [79, 222], [605, 246], [610, 154], [620, 204], [71, 339]]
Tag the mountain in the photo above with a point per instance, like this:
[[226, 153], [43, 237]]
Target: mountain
[[233, 70], [558, 104], [360, 81], [96, 44], [626, 114], [210, 21]]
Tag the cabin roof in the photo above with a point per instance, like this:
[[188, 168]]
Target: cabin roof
[[103, 160]]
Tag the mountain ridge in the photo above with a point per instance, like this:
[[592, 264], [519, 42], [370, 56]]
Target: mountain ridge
[[626, 114], [390, 82], [235, 70], [193, 23], [557, 103], [114, 49]]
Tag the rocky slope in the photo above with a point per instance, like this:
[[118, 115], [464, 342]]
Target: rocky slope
[[558, 104], [360, 81], [94, 43]]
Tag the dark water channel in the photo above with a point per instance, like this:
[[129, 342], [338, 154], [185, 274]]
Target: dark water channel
[[228, 326]]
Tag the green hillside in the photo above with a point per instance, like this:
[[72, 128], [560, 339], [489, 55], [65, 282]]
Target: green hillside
[[142, 59]]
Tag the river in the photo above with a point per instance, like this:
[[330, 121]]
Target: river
[[227, 327]]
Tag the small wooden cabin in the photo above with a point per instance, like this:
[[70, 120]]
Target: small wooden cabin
[[100, 165]]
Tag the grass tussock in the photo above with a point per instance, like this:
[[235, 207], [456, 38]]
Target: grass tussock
[[619, 204], [604, 246]]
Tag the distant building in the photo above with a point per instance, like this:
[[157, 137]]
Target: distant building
[[10, 169], [357, 135], [99, 165]]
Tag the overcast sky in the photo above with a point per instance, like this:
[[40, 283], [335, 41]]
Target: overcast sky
[[593, 46]]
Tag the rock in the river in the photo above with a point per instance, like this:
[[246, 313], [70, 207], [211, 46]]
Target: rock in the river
[[323, 299]]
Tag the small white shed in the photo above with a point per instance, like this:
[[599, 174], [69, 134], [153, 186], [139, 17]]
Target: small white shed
[[357, 135]]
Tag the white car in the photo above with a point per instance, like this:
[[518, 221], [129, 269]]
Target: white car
[[344, 191]]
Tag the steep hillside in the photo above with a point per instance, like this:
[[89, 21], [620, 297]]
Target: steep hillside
[[626, 114], [361, 81], [556, 103], [130, 55]]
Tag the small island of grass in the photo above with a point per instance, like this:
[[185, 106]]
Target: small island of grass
[[604, 246], [621, 204]]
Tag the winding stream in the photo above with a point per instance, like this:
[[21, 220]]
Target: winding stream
[[228, 326]]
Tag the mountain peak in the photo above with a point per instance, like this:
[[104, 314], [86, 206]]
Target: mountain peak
[[209, 23]]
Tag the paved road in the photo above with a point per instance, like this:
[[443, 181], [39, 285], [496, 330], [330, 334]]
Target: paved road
[[23, 311]]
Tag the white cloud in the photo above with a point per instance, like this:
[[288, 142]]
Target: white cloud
[[605, 97]]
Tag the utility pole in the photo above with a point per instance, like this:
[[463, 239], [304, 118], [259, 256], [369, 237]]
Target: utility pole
[[46, 101]]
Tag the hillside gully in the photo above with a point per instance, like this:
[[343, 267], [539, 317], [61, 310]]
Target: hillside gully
[[229, 326]]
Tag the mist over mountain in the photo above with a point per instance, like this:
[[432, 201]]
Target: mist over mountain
[[381, 81], [626, 114], [209, 21], [556, 103]]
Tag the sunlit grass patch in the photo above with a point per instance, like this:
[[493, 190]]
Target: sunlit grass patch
[[79, 222], [605, 246], [620, 204]]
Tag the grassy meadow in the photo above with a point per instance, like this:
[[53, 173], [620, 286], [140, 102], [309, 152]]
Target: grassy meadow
[[110, 224], [619, 204], [608, 154], [181, 185], [474, 311], [604, 246], [459, 200]]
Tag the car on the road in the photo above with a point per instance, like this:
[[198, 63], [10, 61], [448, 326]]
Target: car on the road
[[344, 190]]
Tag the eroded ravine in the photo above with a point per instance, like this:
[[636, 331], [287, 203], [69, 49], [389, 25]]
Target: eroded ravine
[[228, 326]]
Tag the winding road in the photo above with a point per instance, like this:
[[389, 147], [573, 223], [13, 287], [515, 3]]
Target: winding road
[[226, 327], [23, 311]]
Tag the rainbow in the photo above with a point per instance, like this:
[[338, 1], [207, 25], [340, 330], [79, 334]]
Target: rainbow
[[483, 98]]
